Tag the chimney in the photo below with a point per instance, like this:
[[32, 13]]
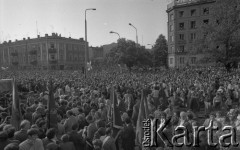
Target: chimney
[[24, 39], [81, 39], [16, 40], [69, 37], [56, 34], [38, 36], [53, 34], [9, 41], [28, 38], [46, 35]]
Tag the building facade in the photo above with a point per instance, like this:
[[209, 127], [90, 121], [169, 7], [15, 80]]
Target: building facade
[[185, 18], [49, 52]]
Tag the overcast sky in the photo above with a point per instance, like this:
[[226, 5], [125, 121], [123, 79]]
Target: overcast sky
[[22, 18]]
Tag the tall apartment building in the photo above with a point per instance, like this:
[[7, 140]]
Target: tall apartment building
[[185, 17], [49, 52]]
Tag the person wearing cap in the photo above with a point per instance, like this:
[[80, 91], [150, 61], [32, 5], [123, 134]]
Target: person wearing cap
[[33, 142]]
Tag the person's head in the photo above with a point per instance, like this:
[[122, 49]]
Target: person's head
[[10, 130], [97, 115], [212, 116], [69, 113], [127, 120], [25, 125], [124, 116], [3, 136], [65, 138], [12, 146], [218, 114], [32, 134], [97, 144], [101, 123], [190, 116], [183, 116], [109, 131], [89, 119], [75, 127], [51, 133], [163, 115], [93, 112], [101, 131]]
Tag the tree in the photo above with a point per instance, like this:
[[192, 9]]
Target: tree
[[129, 53], [160, 51], [221, 35]]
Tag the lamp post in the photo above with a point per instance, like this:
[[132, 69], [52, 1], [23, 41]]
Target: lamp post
[[136, 32], [115, 33], [154, 64], [86, 44]]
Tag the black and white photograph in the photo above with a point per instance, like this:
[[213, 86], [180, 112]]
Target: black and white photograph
[[119, 75]]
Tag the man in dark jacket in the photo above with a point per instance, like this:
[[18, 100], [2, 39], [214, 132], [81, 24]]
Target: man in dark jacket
[[128, 136], [76, 138]]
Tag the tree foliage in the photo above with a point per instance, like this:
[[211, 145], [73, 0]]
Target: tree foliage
[[129, 53], [220, 37], [160, 51]]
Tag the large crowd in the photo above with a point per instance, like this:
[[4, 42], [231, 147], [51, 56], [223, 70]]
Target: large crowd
[[190, 96]]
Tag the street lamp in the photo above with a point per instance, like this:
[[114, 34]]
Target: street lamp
[[115, 33], [136, 32], [86, 45], [154, 64]]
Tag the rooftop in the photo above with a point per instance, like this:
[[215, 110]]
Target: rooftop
[[175, 3], [53, 36]]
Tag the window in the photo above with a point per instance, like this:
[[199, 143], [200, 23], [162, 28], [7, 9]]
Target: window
[[171, 27], [205, 21], [171, 50], [181, 49], [181, 36], [193, 12], [193, 24], [52, 45], [171, 17], [170, 60], [52, 57], [171, 38], [206, 11], [181, 26], [181, 13], [193, 36], [181, 60], [193, 60]]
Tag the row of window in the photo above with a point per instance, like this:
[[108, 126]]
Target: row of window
[[193, 12], [182, 25], [192, 37], [182, 60], [180, 49]]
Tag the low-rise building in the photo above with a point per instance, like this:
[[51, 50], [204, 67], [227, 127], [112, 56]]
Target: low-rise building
[[48, 52]]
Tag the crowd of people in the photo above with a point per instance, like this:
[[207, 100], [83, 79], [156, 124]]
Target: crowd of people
[[190, 96]]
